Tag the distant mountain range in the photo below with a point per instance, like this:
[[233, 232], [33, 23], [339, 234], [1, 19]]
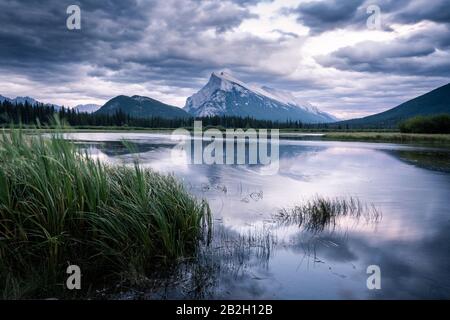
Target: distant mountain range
[[29, 100], [225, 95], [434, 102], [141, 107], [87, 108]]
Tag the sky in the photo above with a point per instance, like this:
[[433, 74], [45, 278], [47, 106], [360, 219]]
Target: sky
[[335, 54]]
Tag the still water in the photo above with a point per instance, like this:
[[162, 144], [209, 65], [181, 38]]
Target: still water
[[253, 257]]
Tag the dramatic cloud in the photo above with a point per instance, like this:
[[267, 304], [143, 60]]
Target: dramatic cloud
[[419, 10], [320, 16], [423, 53], [166, 49], [35, 39], [326, 15]]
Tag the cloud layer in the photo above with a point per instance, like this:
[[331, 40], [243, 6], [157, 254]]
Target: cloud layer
[[320, 50]]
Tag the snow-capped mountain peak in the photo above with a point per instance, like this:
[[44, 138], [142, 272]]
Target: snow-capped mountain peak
[[288, 98], [228, 80], [87, 108], [26, 99], [3, 98], [227, 95], [29, 100]]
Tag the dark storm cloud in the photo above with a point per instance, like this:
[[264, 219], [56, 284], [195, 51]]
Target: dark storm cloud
[[327, 15], [423, 53], [419, 10], [35, 41], [168, 48], [321, 16], [143, 36]]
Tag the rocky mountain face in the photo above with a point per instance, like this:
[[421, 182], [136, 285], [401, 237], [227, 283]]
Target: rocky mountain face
[[225, 95]]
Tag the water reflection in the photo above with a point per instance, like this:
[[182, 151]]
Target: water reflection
[[253, 257], [438, 160]]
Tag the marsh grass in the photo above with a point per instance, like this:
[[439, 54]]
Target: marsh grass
[[395, 137], [58, 206], [322, 213]]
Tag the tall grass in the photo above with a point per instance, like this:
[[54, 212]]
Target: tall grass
[[322, 213], [58, 206]]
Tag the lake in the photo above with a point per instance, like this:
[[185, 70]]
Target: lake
[[254, 256]]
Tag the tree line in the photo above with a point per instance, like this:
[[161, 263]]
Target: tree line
[[426, 124], [28, 114]]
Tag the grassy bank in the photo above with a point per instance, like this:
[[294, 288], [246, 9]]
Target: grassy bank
[[396, 137], [33, 129], [319, 134], [60, 207]]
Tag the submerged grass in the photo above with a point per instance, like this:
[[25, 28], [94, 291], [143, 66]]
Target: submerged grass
[[58, 206], [321, 213]]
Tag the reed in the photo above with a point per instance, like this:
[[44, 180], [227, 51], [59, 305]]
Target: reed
[[322, 213], [58, 206]]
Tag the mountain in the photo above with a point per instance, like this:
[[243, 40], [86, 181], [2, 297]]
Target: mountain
[[434, 102], [18, 100], [141, 107], [23, 100], [225, 95], [87, 108], [2, 98], [29, 100]]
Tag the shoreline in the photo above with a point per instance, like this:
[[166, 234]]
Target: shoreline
[[361, 136]]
